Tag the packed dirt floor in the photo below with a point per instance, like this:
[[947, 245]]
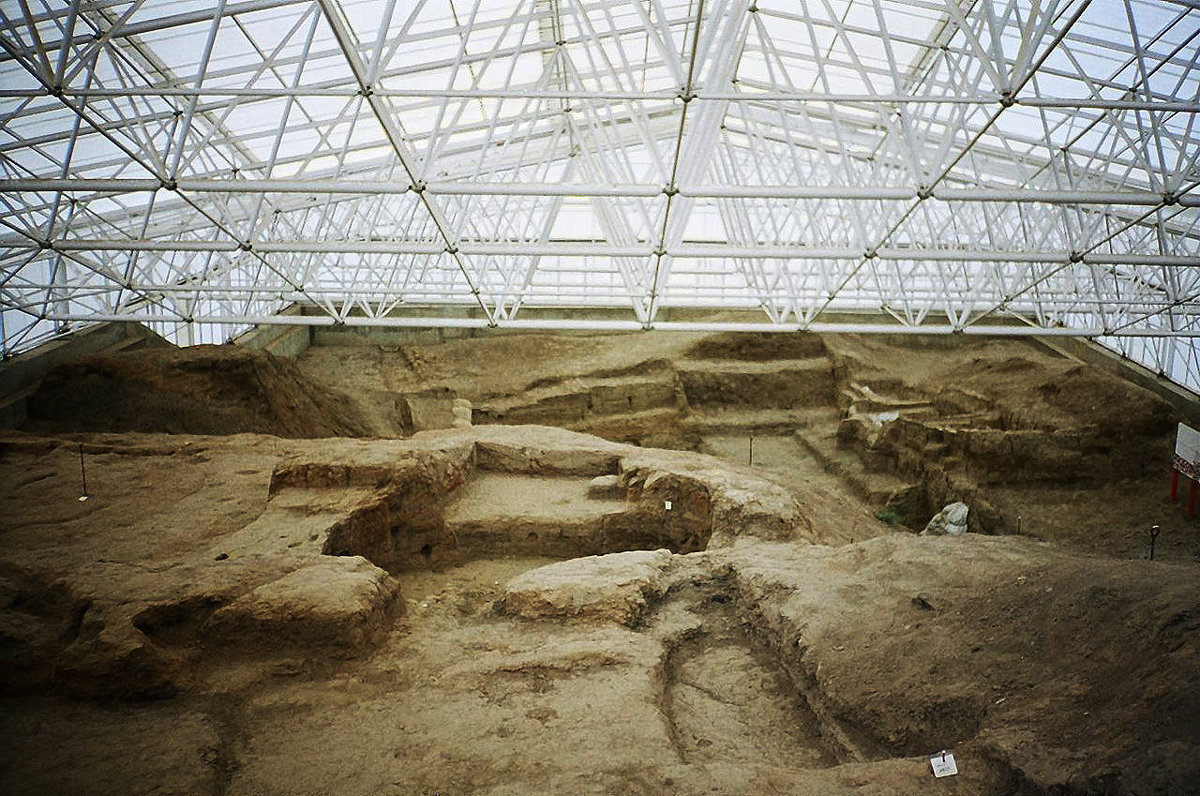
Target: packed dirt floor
[[586, 564]]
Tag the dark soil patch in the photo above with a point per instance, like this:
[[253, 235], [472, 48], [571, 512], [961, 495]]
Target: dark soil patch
[[199, 390]]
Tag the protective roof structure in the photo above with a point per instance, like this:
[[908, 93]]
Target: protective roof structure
[[999, 166]]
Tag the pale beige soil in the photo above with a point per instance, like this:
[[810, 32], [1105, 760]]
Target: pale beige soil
[[209, 621]]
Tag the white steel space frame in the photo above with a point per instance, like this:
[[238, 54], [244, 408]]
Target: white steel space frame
[[1017, 167]]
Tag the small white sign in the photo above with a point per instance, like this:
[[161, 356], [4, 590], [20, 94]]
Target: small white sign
[[943, 764], [668, 505]]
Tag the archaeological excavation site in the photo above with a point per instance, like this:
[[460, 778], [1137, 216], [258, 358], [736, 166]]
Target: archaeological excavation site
[[600, 397], [647, 563]]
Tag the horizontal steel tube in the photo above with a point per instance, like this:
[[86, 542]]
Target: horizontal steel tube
[[518, 93], [631, 325], [696, 250], [35, 294], [465, 188]]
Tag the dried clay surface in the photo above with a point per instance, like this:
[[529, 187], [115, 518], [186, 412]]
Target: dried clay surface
[[525, 609]]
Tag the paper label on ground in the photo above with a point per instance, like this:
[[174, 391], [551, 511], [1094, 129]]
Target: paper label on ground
[[943, 764]]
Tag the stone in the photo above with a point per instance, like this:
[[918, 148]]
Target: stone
[[950, 521], [880, 419], [614, 588]]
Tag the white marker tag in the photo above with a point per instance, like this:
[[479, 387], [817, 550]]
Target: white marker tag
[[943, 764], [668, 505]]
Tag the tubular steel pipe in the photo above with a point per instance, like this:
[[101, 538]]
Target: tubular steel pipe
[[552, 324], [572, 249], [587, 190]]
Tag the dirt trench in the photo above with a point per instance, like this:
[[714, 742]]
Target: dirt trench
[[727, 700]]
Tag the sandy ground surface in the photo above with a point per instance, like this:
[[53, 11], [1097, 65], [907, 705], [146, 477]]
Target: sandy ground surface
[[812, 648]]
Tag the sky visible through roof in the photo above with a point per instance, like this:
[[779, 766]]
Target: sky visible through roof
[[945, 167]]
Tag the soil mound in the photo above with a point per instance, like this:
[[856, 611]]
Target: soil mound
[[1057, 396], [1013, 649], [1113, 405], [198, 390], [758, 346]]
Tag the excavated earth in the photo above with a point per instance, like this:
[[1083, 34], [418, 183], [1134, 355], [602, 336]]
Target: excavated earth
[[655, 564]]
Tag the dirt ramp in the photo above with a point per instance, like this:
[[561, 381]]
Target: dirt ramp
[[198, 390]]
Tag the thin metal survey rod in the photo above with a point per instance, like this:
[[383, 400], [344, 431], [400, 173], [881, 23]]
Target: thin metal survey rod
[[82, 473]]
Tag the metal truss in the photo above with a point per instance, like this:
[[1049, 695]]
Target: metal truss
[[957, 166]]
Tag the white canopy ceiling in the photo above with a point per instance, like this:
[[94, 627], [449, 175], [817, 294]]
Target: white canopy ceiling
[[1019, 166]]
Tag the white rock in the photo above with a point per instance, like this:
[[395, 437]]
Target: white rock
[[950, 521], [956, 513]]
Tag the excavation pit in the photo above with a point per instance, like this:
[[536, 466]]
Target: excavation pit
[[502, 515], [727, 700]]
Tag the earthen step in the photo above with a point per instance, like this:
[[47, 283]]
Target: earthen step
[[604, 424], [782, 384], [878, 489], [745, 366], [758, 421], [311, 521], [578, 399], [865, 400], [500, 513], [503, 514]]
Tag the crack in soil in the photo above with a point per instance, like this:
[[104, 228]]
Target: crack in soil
[[223, 758]]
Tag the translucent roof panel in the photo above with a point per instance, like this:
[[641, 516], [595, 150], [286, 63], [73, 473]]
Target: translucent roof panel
[[952, 166]]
